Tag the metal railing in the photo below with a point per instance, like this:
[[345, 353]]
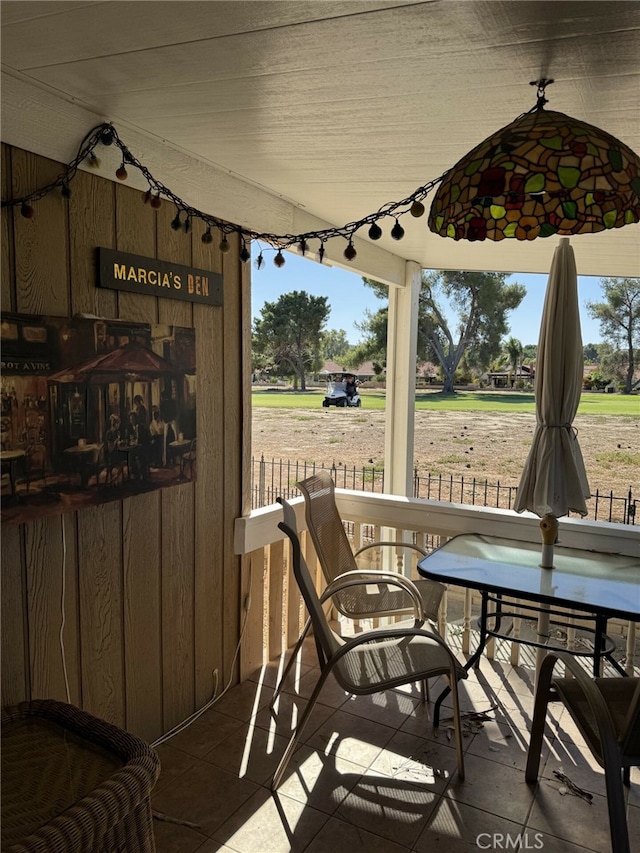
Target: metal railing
[[277, 477]]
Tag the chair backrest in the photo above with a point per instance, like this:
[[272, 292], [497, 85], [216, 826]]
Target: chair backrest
[[630, 741], [326, 640], [325, 526]]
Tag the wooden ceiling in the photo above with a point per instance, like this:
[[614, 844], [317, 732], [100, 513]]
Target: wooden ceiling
[[340, 107]]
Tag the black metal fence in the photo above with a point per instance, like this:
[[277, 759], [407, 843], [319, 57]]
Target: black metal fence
[[270, 478]]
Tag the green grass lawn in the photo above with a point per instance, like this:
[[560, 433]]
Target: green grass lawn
[[461, 401]]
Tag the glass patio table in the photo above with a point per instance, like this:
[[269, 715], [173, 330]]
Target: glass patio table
[[598, 585]]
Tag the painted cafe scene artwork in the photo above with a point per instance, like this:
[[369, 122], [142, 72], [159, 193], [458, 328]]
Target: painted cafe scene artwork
[[93, 410]]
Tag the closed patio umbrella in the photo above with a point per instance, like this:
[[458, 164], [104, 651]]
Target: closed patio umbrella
[[554, 481]]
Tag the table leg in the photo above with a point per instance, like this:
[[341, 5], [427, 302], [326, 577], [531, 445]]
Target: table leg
[[600, 645], [474, 660]]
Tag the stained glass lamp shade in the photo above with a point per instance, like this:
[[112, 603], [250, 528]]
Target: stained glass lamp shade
[[545, 173]]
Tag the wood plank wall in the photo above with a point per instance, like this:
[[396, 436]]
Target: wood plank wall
[[151, 585]]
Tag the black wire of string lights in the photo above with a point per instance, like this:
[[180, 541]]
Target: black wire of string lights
[[105, 134]]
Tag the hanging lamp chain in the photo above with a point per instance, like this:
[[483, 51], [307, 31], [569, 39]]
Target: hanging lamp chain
[[542, 84]]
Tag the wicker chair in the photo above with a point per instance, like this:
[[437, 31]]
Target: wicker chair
[[72, 783], [607, 713]]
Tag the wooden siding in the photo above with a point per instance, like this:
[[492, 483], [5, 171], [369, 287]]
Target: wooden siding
[[151, 584]]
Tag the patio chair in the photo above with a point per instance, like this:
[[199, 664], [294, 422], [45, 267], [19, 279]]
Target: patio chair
[[607, 713], [373, 661], [336, 557]]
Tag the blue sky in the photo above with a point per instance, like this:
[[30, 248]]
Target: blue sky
[[348, 297]]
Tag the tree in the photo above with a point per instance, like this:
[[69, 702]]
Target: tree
[[514, 352], [479, 303], [335, 344], [289, 332], [619, 317], [591, 353]]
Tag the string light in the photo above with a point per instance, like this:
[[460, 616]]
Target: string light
[[106, 134]]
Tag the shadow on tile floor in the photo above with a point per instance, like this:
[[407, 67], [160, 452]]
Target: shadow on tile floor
[[372, 773]]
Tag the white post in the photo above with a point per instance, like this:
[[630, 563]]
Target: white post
[[402, 340]]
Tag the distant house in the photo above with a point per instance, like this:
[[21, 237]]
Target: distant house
[[508, 378], [427, 373], [364, 371]]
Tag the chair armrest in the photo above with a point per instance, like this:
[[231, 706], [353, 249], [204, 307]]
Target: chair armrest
[[597, 704], [391, 545], [363, 578]]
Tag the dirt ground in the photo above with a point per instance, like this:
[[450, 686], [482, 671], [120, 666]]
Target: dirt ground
[[491, 447]]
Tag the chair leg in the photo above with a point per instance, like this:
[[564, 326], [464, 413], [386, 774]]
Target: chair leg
[[284, 761], [617, 810], [424, 690], [290, 663], [539, 719], [457, 725]]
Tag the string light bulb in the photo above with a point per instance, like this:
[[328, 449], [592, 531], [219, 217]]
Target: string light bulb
[[303, 246], [121, 173], [146, 198], [279, 259], [397, 232], [156, 202], [417, 209], [260, 261], [187, 225], [27, 211], [176, 222], [106, 137], [65, 191], [245, 254], [224, 245], [94, 162], [375, 231], [350, 252], [321, 251], [207, 237]]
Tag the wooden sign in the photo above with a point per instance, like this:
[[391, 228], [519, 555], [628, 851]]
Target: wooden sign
[[136, 274]]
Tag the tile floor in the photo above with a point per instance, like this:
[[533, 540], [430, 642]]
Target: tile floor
[[372, 774]]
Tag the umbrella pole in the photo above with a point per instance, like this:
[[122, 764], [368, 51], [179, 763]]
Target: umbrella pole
[[549, 532]]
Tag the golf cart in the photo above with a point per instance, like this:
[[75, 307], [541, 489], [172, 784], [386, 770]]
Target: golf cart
[[342, 390]]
